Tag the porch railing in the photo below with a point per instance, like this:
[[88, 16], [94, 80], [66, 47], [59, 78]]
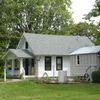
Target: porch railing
[[16, 72]]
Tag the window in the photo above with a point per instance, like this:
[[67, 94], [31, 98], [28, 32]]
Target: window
[[59, 63], [26, 45], [47, 63], [78, 60]]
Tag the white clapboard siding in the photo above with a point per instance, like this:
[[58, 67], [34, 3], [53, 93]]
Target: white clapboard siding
[[85, 60], [53, 72]]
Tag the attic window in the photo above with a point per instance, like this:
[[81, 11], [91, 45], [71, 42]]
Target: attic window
[[26, 45]]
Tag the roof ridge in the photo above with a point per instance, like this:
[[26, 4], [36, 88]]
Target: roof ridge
[[56, 35]]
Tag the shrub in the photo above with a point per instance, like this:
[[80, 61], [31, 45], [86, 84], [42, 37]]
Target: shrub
[[1, 71], [96, 76]]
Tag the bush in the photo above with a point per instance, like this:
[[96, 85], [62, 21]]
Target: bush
[[96, 76], [1, 74], [1, 71]]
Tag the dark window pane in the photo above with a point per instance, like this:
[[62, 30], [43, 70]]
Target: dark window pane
[[78, 60], [26, 45], [47, 63], [59, 63]]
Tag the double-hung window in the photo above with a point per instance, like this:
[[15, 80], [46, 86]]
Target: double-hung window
[[59, 63], [48, 63]]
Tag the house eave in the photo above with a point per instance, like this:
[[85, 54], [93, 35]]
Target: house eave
[[51, 54], [17, 53]]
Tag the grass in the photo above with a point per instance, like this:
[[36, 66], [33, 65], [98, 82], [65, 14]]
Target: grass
[[29, 90]]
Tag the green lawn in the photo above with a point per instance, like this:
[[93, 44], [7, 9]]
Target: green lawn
[[28, 90]]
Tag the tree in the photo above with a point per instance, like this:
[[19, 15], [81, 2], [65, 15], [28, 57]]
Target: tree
[[95, 12], [86, 29], [35, 16], [97, 41], [38, 16]]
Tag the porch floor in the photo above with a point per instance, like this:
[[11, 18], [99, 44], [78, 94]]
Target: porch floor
[[29, 76]]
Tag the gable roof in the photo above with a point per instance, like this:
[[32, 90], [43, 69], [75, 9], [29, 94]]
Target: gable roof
[[87, 50], [55, 44], [17, 53]]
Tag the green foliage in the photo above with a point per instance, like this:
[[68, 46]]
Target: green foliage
[[95, 11], [47, 16], [96, 76], [29, 90], [34, 16], [1, 71], [97, 40], [87, 29]]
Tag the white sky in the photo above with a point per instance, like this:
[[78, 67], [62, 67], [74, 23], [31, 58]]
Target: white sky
[[81, 7]]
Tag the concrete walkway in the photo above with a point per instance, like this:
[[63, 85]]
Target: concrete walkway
[[12, 80]]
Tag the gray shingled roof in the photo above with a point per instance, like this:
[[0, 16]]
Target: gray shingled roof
[[55, 44], [18, 53], [87, 50]]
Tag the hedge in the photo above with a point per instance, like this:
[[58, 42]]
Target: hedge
[[96, 76]]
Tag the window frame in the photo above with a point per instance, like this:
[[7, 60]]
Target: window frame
[[26, 45], [32, 62], [46, 67], [61, 65], [78, 59]]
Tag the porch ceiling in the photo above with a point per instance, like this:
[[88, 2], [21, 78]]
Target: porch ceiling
[[17, 53]]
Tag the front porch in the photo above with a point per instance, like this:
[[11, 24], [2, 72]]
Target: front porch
[[19, 63]]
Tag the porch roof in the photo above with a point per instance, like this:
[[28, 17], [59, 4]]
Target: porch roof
[[87, 50], [17, 53]]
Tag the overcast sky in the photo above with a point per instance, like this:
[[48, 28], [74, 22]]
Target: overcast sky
[[81, 7]]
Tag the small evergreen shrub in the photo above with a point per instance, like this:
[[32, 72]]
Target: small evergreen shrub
[[96, 76]]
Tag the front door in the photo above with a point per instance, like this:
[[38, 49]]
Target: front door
[[32, 67], [26, 66]]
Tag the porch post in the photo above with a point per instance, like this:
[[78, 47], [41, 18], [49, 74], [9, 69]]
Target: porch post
[[22, 71], [21, 65], [5, 67], [13, 66]]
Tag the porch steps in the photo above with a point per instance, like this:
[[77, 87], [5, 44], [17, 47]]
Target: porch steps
[[29, 76]]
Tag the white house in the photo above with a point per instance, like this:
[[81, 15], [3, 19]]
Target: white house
[[41, 55], [85, 60]]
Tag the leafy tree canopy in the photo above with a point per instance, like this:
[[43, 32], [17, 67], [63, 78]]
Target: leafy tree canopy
[[38, 16], [35, 16], [95, 12], [87, 29]]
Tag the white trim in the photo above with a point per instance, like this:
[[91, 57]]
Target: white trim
[[13, 66], [22, 71], [19, 41], [21, 65], [5, 76]]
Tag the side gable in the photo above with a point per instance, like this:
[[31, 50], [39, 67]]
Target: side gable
[[22, 43], [17, 53], [55, 44]]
